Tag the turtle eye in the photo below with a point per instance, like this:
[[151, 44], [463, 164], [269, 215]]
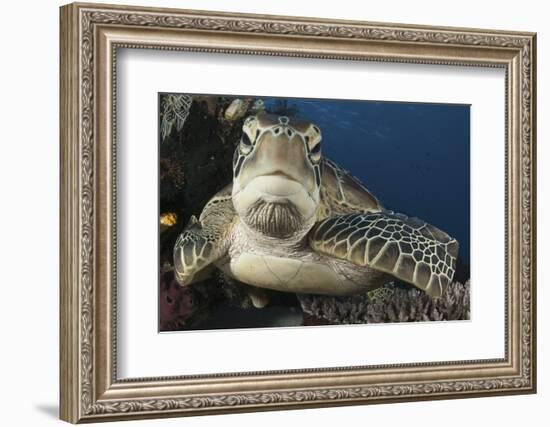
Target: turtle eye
[[315, 152], [316, 148], [246, 139], [245, 145]]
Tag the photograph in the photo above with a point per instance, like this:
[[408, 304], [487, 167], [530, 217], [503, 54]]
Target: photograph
[[281, 212]]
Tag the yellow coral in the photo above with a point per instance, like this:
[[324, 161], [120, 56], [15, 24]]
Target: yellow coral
[[168, 219]]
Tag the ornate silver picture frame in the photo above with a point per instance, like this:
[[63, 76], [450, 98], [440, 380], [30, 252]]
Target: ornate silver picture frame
[[92, 36]]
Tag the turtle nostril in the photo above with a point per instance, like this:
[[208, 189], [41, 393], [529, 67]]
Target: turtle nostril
[[277, 130], [289, 132]]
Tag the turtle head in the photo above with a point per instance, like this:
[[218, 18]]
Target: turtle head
[[277, 175]]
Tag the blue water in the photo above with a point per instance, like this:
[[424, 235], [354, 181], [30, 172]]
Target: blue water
[[414, 157]]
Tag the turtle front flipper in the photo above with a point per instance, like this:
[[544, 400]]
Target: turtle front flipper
[[407, 248], [193, 253], [203, 241]]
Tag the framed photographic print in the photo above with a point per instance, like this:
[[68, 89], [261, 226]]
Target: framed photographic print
[[340, 251], [267, 212]]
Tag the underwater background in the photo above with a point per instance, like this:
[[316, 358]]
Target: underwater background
[[414, 157]]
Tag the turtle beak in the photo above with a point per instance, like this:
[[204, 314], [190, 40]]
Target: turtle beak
[[280, 154]]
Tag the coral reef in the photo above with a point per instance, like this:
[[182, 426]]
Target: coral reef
[[176, 303], [210, 302], [194, 158], [167, 220], [221, 302], [174, 112], [401, 303], [185, 307], [196, 143]]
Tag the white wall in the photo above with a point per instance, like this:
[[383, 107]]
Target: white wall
[[29, 170]]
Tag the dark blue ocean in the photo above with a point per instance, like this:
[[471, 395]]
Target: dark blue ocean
[[414, 157]]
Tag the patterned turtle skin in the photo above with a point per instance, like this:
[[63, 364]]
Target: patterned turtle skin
[[295, 221]]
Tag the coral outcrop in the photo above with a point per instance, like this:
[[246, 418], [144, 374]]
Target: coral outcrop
[[401, 303]]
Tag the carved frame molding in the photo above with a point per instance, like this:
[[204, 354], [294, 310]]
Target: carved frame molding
[[90, 36]]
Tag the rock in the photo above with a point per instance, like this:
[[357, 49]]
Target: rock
[[237, 109]]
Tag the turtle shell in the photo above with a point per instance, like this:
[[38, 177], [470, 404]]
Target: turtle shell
[[342, 193]]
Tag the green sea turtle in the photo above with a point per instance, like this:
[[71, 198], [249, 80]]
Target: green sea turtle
[[295, 221]]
